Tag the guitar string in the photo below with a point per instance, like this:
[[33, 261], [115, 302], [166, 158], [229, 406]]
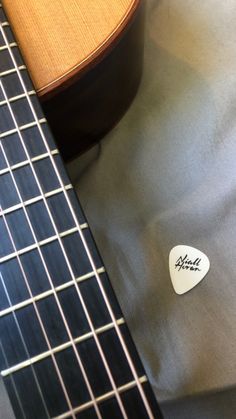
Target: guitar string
[[72, 276], [35, 308], [24, 345], [130, 362], [22, 269], [50, 282], [44, 263], [124, 346], [109, 373], [12, 379], [27, 354]]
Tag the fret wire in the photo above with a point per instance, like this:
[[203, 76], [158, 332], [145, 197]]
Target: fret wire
[[120, 389], [34, 200], [13, 382], [124, 346], [22, 127], [24, 344], [42, 328], [29, 290], [39, 319], [11, 45], [26, 162], [59, 348], [58, 237], [18, 97], [46, 269], [107, 368], [12, 70], [104, 397], [46, 294], [41, 243], [47, 273]]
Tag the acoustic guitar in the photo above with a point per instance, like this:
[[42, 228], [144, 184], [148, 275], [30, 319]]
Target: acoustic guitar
[[85, 59], [65, 350]]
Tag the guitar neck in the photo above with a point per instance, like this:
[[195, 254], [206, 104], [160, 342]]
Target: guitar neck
[[66, 351]]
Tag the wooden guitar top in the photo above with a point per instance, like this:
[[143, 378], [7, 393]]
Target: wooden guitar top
[[60, 37]]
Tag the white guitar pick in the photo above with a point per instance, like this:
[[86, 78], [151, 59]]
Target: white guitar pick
[[188, 266]]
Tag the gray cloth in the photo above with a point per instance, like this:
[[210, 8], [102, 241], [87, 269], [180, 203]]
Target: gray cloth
[[215, 405], [165, 176]]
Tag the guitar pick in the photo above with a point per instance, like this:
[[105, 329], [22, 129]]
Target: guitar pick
[[188, 266]]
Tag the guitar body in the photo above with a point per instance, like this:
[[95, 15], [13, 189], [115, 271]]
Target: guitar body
[[85, 60], [65, 348]]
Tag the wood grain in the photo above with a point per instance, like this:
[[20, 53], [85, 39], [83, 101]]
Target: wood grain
[[60, 36]]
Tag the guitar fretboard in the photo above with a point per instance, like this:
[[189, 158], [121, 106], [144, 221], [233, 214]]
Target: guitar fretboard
[[66, 351]]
